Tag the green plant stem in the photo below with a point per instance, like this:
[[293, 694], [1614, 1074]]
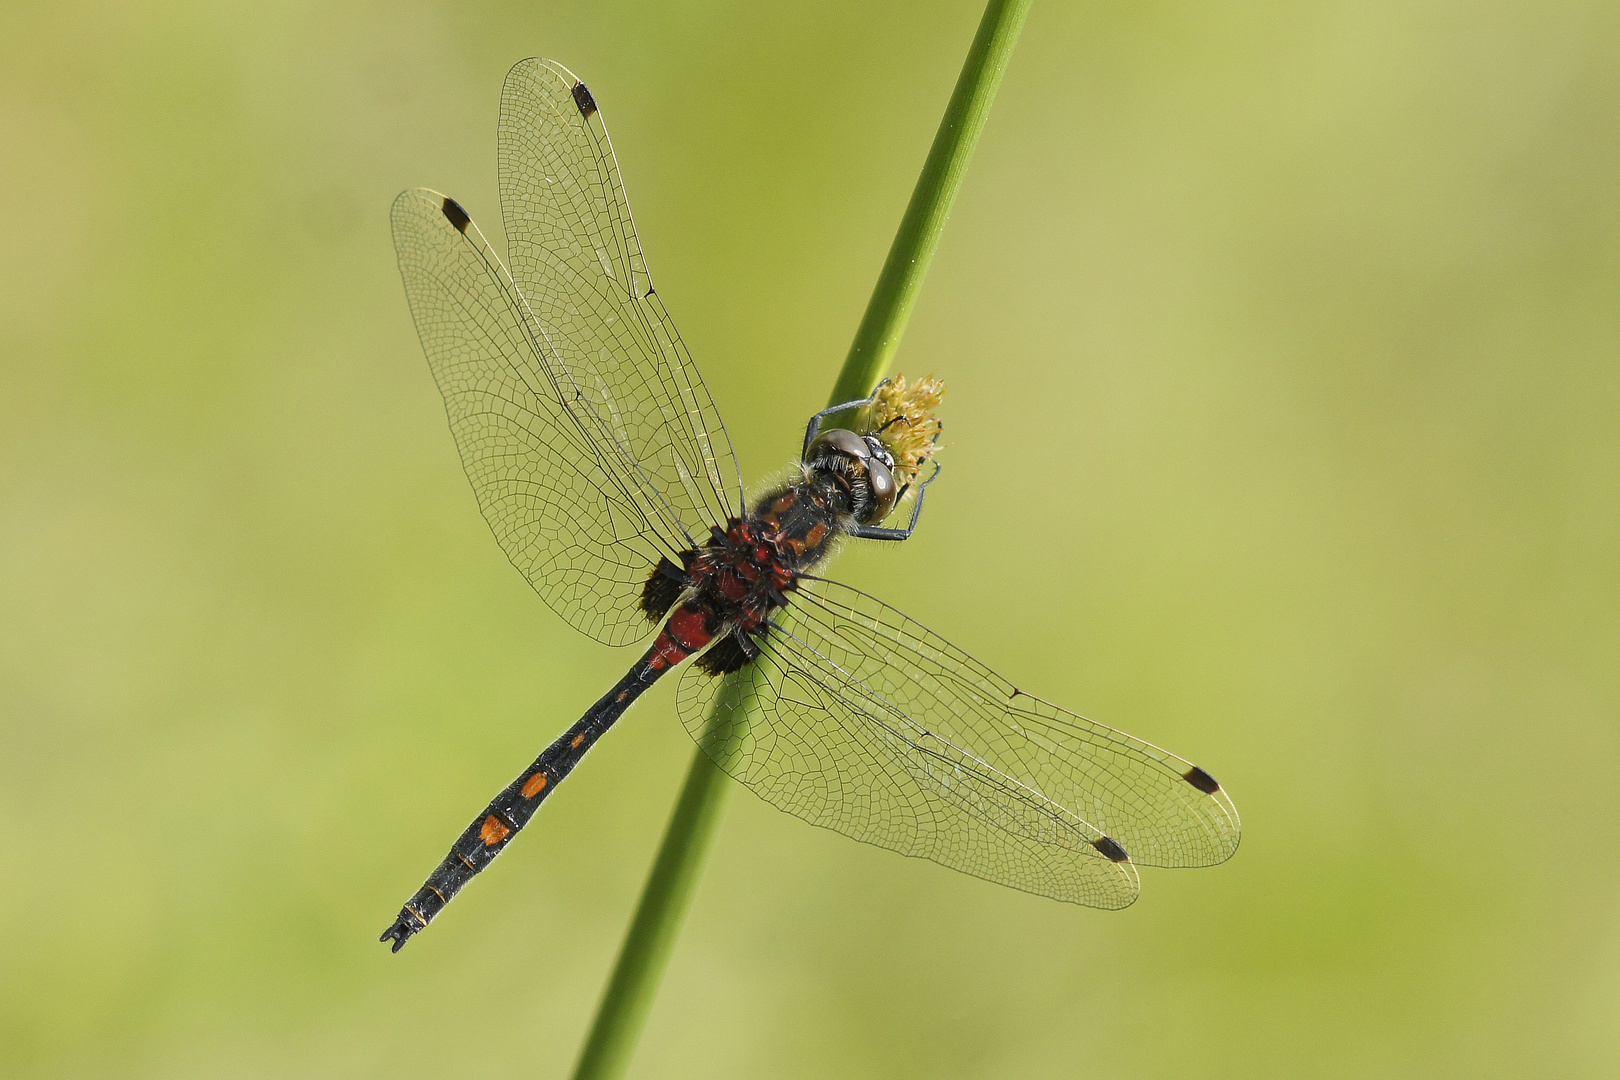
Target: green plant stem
[[664, 900], [900, 282], [647, 947]]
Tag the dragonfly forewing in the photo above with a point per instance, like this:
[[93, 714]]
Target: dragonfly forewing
[[574, 254]]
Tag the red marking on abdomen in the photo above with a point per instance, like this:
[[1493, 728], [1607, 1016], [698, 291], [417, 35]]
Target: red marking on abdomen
[[687, 632], [494, 831], [689, 626], [666, 652]]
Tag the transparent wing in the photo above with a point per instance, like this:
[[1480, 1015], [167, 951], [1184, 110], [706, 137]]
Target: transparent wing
[[591, 442], [865, 722], [575, 258], [571, 507]]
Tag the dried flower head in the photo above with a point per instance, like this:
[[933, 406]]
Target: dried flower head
[[903, 417]]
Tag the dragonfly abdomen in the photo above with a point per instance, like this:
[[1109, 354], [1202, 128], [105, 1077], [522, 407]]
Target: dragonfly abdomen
[[506, 815]]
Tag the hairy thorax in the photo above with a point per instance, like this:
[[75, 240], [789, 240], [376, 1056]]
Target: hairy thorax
[[728, 588]]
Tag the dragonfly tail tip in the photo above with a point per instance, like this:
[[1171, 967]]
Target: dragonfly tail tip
[[400, 933]]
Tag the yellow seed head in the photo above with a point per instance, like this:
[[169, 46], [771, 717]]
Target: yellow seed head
[[910, 430]]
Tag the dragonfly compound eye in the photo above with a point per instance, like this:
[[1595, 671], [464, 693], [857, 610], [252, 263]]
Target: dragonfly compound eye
[[881, 481], [837, 441]]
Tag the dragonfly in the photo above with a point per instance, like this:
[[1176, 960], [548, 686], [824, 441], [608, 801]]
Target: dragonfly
[[601, 464]]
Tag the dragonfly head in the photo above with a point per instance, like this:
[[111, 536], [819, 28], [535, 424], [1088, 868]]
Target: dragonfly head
[[861, 464]]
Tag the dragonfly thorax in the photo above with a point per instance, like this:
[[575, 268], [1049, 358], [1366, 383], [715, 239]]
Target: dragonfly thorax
[[725, 591]]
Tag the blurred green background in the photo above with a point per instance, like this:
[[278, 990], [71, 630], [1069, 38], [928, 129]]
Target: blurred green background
[[1283, 432]]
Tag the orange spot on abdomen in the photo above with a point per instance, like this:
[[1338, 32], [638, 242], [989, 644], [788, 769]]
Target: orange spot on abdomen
[[534, 785], [577, 740], [494, 831]]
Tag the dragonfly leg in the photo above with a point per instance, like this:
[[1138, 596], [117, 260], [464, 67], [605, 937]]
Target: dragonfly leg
[[814, 427]]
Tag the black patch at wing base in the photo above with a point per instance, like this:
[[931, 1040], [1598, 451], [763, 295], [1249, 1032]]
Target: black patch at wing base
[[664, 587], [730, 653]]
